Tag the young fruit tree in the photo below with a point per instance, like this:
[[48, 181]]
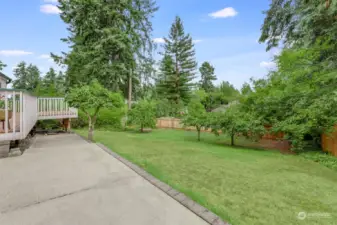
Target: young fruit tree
[[143, 114], [196, 117], [90, 99], [235, 122]]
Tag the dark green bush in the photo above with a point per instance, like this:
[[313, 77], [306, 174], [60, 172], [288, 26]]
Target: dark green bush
[[105, 118], [322, 158], [81, 121], [49, 125]]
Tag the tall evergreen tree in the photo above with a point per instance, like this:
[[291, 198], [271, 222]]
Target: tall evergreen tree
[[108, 39], [60, 82], [246, 89], [178, 65], [302, 23], [27, 77], [207, 76], [166, 69], [50, 78], [2, 65]]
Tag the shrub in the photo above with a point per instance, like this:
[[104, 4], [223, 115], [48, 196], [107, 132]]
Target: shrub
[[105, 118], [322, 158], [48, 125], [143, 114]]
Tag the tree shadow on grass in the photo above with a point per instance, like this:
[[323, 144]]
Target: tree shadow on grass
[[224, 141]]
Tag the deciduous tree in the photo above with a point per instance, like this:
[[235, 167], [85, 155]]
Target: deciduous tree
[[299, 99], [96, 97], [143, 114], [234, 121], [196, 116]]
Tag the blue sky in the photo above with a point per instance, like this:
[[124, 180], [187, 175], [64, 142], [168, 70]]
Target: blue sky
[[225, 32]]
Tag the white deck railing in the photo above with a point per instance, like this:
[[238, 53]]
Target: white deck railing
[[19, 112], [11, 115], [54, 108]]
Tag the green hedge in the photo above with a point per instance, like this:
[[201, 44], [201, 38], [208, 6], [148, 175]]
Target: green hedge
[[105, 118]]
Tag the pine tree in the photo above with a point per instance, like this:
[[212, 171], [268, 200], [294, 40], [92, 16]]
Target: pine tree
[[60, 83], [178, 65], [207, 76], [108, 39], [27, 77], [2, 65], [166, 69], [50, 78]]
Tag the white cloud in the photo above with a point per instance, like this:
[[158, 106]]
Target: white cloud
[[197, 41], [14, 53], [44, 56], [159, 40], [51, 1], [224, 13], [276, 51], [50, 9], [268, 65]]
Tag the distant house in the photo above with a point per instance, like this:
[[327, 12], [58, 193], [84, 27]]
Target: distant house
[[4, 80]]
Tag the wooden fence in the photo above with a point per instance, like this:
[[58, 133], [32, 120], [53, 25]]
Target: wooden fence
[[169, 122], [329, 142], [268, 141]]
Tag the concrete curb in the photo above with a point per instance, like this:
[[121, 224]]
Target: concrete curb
[[197, 209]]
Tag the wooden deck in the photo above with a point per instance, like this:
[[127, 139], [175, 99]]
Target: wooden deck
[[19, 112]]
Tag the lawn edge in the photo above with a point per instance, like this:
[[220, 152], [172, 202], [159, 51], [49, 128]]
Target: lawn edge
[[191, 205]]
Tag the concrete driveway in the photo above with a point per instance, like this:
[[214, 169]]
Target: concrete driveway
[[64, 180]]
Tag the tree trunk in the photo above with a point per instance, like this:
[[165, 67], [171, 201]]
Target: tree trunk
[[91, 130], [91, 133], [327, 3], [142, 128], [130, 90], [232, 139], [198, 134]]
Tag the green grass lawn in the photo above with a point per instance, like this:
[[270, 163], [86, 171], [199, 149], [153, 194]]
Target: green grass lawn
[[243, 186]]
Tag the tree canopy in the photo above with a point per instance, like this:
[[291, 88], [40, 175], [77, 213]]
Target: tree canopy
[[299, 98], [26, 77], [96, 97], [196, 116], [299, 22], [2, 65], [143, 114], [207, 76], [108, 40]]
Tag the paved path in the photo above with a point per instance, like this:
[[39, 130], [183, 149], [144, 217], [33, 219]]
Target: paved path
[[64, 180]]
